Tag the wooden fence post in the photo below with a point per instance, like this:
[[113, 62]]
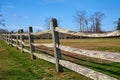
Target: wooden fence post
[[6, 36], [17, 36], [21, 40], [9, 38], [0, 36], [56, 43], [11, 41], [31, 41]]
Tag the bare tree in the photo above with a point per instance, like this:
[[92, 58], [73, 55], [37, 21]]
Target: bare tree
[[118, 24], [96, 19], [86, 24], [2, 20], [3, 30], [80, 18], [47, 23], [92, 28]]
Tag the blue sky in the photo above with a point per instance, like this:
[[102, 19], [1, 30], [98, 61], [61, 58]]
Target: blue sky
[[24, 13]]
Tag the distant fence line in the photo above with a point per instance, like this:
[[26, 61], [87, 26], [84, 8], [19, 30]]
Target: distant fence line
[[17, 40]]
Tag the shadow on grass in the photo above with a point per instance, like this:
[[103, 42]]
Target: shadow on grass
[[110, 68]]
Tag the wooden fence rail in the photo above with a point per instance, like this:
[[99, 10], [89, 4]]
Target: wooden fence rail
[[18, 42]]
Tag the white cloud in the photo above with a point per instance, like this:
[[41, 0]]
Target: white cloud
[[38, 28], [14, 15], [53, 0], [12, 27], [19, 16], [10, 6]]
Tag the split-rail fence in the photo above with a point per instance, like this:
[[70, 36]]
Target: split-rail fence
[[17, 40]]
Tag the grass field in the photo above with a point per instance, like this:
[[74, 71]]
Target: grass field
[[102, 44], [17, 66], [103, 66]]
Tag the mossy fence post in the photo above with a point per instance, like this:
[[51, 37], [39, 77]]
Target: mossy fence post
[[21, 40], [1, 36], [31, 41], [17, 37], [56, 43], [9, 42], [6, 37], [11, 39]]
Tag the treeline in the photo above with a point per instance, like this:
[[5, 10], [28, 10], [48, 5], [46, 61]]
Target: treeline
[[91, 23], [118, 24], [3, 30]]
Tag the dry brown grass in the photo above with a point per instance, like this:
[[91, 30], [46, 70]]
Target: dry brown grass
[[91, 43], [104, 44]]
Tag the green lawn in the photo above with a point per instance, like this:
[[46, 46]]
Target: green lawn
[[104, 44], [17, 66]]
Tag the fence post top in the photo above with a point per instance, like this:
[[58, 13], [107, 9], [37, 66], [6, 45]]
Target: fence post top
[[11, 31], [53, 22], [30, 29], [20, 30]]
